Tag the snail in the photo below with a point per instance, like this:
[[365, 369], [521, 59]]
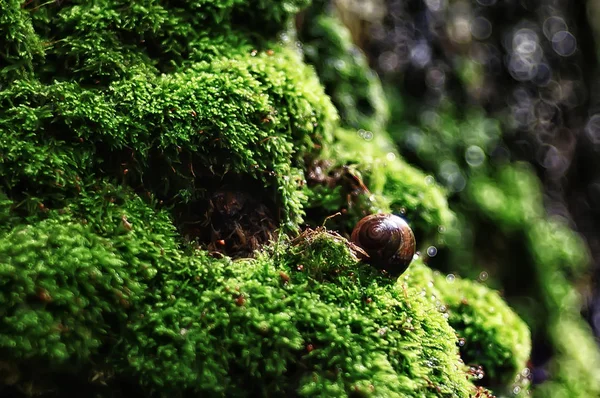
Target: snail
[[388, 240]]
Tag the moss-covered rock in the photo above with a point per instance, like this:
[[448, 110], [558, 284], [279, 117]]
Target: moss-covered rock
[[231, 119], [304, 319], [138, 141]]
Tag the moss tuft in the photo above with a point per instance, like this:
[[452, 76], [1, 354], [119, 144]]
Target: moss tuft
[[189, 324], [233, 118], [491, 335], [20, 45]]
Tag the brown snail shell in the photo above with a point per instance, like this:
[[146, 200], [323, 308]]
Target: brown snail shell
[[388, 240]]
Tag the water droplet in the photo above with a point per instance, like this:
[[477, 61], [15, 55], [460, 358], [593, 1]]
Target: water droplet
[[483, 276], [431, 251], [443, 308], [516, 390], [526, 372], [441, 229], [420, 54], [450, 278], [430, 118], [564, 43], [429, 180], [474, 156], [435, 5], [521, 68], [592, 129], [435, 77], [389, 61], [461, 342], [543, 75], [391, 156], [339, 64], [459, 29], [553, 25], [458, 182], [481, 28]]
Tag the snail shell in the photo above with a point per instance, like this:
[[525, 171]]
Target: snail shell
[[388, 240]]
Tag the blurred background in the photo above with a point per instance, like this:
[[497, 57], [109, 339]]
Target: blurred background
[[498, 101]]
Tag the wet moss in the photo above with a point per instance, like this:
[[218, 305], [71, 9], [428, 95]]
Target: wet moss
[[305, 318], [140, 119], [173, 135], [491, 335]]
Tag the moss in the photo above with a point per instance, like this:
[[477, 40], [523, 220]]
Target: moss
[[395, 185], [493, 196], [140, 113], [97, 42], [21, 46], [573, 366], [70, 283], [152, 314], [559, 258], [344, 71], [491, 333], [451, 141], [503, 230], [249, 111], [495, 337]]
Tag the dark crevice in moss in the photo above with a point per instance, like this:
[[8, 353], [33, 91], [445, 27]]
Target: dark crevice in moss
[[234, 218]]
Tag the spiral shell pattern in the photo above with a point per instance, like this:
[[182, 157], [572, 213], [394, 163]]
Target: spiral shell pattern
[[388, 240]]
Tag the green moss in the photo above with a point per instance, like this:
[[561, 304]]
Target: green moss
[[495, 337], [573, 367], [300, 318], [452, 143], [344, 71], [58, 283], [491, 334], [97, 42], [143, 309], [137, 115], [558, 257], [502, 229], [20, 45], [493, 196], [246, 118], [397, 186]]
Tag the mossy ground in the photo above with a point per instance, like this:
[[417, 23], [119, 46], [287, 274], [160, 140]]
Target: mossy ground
[[125, 123]]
